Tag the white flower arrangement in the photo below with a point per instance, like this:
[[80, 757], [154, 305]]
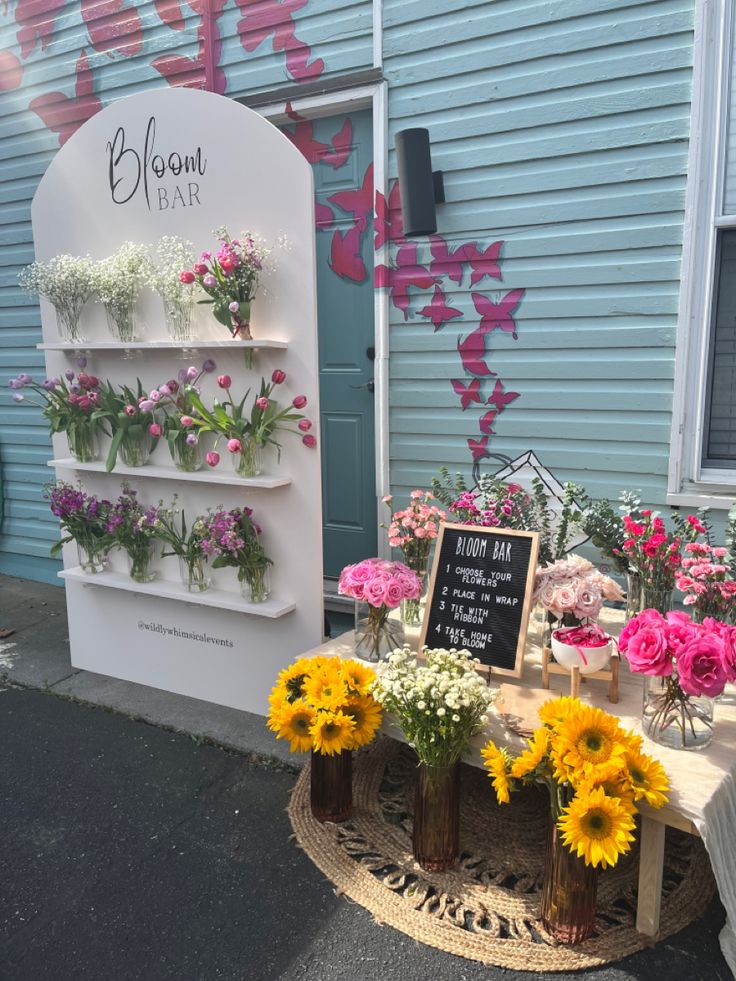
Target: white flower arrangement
[[67, 281], [171, 255], [118, 281], [440, 703]]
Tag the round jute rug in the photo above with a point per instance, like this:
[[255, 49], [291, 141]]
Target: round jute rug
[[486, 909]]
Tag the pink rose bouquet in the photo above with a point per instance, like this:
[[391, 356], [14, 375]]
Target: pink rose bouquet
[[705, 578], [413, 530], [572, 590], [383, 585]]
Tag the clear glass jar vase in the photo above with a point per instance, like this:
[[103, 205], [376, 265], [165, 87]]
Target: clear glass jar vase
[[187, 458], [331, 786], [411, 609], [92, 557], [633, 595], [121, 321], [656, 598], [178, 317], [141, 559], [569, 892], [436, 828], [376, 635], [672, 718], [194, 574], [135, 449], [255, 584], [248, 463], [83, 443], [67, 318]]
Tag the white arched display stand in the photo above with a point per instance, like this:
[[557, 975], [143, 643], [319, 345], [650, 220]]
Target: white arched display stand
[[104, 187]]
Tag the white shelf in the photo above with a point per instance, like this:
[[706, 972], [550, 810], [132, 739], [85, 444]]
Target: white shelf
[[208, 476], [193, 345], [218, 598]]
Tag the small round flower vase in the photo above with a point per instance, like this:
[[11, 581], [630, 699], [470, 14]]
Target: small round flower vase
[[248, 462], [121, 322], [588, 659], [178, 316], [674, 719], [67, 320], [187, 458], [375, 634], [92, 558], [134, 451], [255, 584], [569, 893], [436, 828], [331, 786], [656, 598], [83, 444], [194, 574], [141, 562]]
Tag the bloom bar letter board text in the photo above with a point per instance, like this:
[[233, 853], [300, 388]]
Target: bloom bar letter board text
[[480, 594]]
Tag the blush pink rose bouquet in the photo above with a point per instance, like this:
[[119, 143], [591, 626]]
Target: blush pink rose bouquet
[[572, 590], [383, 585]]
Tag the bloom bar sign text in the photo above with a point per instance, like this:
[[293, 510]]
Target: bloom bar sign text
[[480, 594]]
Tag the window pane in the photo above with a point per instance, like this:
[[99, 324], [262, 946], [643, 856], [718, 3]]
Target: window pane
[[720, 443]]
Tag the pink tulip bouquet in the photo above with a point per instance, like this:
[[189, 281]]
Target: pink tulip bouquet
[[413, 530], [686, 665], [175, 411], [382, 585]]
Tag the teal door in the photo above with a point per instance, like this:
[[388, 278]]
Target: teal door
[[340, 149]]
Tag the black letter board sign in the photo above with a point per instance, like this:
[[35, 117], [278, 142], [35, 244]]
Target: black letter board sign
[[480, 594]]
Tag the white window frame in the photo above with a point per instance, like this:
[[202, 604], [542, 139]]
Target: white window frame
[[689, 482]]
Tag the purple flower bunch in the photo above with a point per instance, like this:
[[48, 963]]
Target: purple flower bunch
[[506, 510], [233, 538], [130, 524], [84, 518]]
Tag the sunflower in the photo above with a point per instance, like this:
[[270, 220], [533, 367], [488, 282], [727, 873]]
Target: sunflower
[[528, 761], [614, 787], [590, 743], [358, 677], [557, 710], [497, 763], [276, 702], [646, 778], [325, 688], [294, 722], [291, 679], [366, 714], [597, 828], [332, 732]]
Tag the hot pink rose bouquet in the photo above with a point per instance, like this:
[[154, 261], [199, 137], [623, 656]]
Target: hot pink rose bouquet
[[382, 585], [572, 590]]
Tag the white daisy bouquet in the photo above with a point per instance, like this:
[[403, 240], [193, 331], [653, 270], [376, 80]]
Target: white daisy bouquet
[[67, 281], [440, 701]]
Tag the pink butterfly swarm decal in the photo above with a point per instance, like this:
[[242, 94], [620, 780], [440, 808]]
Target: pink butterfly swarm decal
[[405, 275]]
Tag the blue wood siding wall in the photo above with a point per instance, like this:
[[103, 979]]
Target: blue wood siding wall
[[562, 129]]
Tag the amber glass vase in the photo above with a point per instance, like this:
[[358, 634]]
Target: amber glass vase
[[436, 835], [568, 892], [331, 786]]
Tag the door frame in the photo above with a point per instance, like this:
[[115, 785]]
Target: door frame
[[372, 97]]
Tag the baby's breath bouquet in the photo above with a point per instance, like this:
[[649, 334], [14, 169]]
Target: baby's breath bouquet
[[170, 255], [68, 282], [118, 280], [440, 704]]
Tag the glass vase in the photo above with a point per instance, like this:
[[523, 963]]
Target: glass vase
[[67, 318], [255, 584], [195, 574], [134, 450], [248, 462], [436, 830], [186, 458], [672, 718], [331, 786], [411, 609], [656, 598], [92, 557], [140, 561], [83, 443], [568, 892], [178, 317], [633, 595], [375, 634], [121, 321]]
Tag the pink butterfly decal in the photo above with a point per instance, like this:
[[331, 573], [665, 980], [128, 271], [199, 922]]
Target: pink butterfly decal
[[178, 70], [345, 258], [112, 26], [342, 144], [63, 115], [358, 202], [297, 61], [478, 448], [446, 263], [36, 22], [170, 13], [472, 353], [485, 263], [408, 273], [382, 276], [486, 422], [263, 18], [498, 315], [500, 398], [11, 71], [388, 224], [302, 136], [468, 393], [438, 311], [324, 216]]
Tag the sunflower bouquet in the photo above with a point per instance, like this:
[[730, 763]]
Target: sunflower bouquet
[[595, 772]]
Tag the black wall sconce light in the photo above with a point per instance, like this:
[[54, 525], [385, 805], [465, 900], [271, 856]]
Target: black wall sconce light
[[421, 188]]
